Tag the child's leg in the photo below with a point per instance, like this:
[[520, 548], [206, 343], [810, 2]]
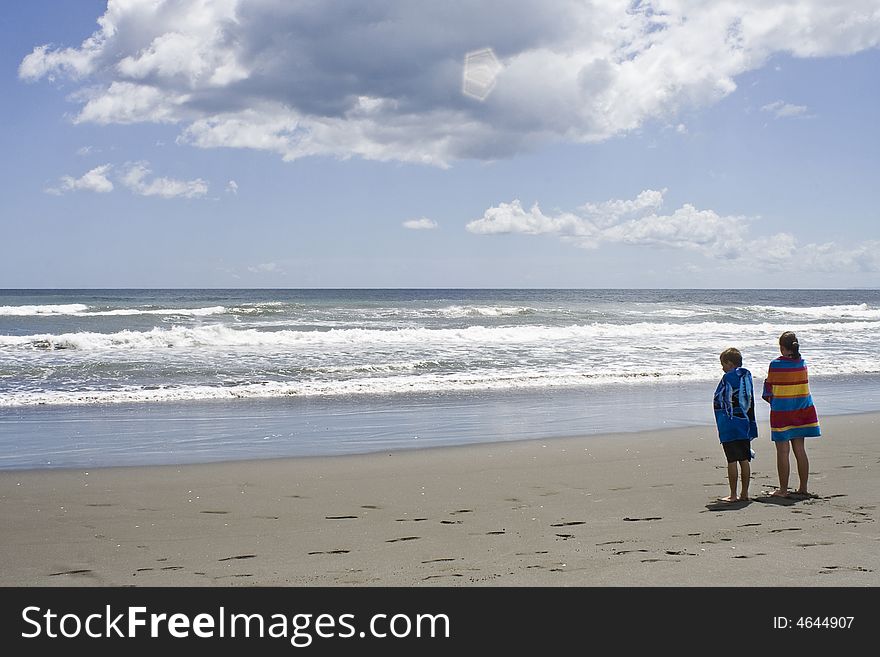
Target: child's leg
[[746, 469], [803, 463], [783, 467], [731, 479]]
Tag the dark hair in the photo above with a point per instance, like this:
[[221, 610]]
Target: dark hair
[[732, 355], [789, 341]]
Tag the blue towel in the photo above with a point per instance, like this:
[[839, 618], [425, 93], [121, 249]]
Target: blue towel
[[734, 406]]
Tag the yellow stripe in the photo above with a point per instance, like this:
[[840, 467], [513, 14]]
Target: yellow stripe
[[794, 426], [801, 390]]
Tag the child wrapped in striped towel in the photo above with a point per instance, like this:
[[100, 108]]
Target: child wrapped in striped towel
[[793, 415]]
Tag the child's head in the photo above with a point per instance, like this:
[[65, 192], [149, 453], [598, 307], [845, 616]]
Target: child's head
[[731, 358], [789, 345]]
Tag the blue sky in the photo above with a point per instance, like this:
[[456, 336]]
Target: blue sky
[[260, 143]]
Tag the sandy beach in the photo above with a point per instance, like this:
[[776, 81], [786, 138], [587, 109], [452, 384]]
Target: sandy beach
[[634, 509]]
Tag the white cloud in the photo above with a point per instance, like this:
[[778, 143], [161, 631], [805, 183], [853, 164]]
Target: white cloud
[[93, 181], [232, 187], [135, 179], [385, 82], [726, 239], [266, 268], [124, 102], [633, 222], [420, 224], [783, 110]]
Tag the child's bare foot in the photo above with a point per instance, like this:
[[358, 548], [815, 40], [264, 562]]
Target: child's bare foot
[[779, 493], [743, 498], [729, 498], [803, 493]]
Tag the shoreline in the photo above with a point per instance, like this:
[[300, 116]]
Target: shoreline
[[614, 509], [217, 431]]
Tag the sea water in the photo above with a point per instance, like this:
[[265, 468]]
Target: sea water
[[118, 377]]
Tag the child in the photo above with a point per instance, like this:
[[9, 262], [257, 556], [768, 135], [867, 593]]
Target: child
[[793, 416], [734, 405]]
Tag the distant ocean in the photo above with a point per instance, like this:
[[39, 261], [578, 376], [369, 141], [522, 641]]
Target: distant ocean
[[116, 377]]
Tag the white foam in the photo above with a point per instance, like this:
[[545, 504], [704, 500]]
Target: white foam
[[477, 380], [48, 309], [844, 311], [481, 311], [82, 310], [220, 336], [186, 312]]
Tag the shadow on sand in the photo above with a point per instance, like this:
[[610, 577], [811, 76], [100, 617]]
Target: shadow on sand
[[719, 505]]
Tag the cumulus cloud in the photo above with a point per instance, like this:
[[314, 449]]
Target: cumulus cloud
[[633, 222], [93, 181], [420, 224], [638, 222], [383, 80], [783, 110], [136, 179]]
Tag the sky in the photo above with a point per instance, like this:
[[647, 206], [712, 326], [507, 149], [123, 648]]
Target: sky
[[419, 144]]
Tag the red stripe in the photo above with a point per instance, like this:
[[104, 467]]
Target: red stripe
[[795, 418]]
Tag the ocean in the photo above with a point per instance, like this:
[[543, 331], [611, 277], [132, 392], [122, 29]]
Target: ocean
[[90, 378]]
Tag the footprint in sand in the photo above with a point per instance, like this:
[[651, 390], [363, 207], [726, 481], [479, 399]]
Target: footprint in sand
[[81, 571], [830, 569], [340, 517], [403, 538], [568, 524], [330, 552], [238, 556], [628, 519]]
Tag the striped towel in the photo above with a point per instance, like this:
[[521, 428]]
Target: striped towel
[[787, 388]]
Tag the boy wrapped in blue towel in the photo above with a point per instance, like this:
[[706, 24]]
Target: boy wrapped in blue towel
[[734, 405]]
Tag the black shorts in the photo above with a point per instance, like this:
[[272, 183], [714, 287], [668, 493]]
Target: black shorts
[[738, 450]]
